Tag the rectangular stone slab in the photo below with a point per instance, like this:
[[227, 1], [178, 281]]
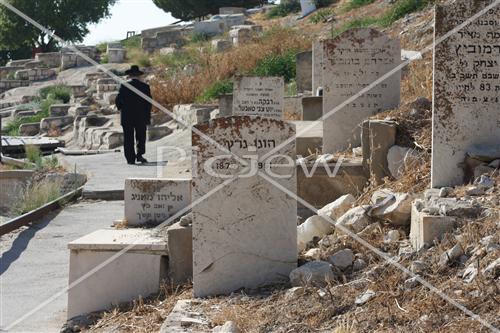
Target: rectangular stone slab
[[245, 233], [259, 96], [152, 201], [466, 87]]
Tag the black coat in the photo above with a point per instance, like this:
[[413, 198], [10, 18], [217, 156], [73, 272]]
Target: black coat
[[135, 110]]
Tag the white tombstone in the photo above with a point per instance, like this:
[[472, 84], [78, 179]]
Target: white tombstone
[[152, 201], [317, 66], [307, 7], [466, 87], [259, 96], [245, 233], [351, 62]]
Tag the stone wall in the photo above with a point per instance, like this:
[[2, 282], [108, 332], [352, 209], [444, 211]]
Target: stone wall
[[7, 71], [153, 39], [51, 60], [11, 84], [35, 74]]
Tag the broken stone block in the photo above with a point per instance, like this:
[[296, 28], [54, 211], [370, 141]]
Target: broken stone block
[[342, 259], [221, 45], [377, 137], [228, 327], [355, 219], [313, 274], [337, 208], [158, 132], [180, 253], [365, 297], [392, 207], [425, 228], [315, 226], [450, 256], [400, 159]]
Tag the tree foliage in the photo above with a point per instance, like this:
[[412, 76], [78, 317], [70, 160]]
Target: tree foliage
[[68, 19], [187, 10]]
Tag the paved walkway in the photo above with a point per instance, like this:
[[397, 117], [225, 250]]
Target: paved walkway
[[34, 264], [107, 172]]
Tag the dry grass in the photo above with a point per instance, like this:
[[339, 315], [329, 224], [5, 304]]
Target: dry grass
[[185, 87], [37, 195], [142, 315]]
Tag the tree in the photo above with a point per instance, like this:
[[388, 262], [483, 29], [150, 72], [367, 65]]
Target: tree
[[187, 10], [68, 19]]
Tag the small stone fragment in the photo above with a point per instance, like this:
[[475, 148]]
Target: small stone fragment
[[342, 259], [365, 297]]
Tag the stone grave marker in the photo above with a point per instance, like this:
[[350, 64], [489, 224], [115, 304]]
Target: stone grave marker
[[307, 7], [466, 87], [304, 71], [152, 201], [317, 66], [245, 233], [259, 96], [351, 62]]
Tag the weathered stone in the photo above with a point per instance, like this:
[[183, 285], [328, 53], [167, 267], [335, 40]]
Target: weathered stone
[[359, 264], [314, 227], [314, 274], [450, 256], [377, 137], [355, 219], [465, 72], [307, 7], [313, 254], [29, 129], [343, 57], [259, 96], [392, 236], [152, 201], [180, 253], [303, 76], [158, 132], [192, 114], [337, 208], [59, 110], [342, 259], [312, 108], [493, 269], [228, 327], [122, 278], [221, 45], [245, 234], [365, 297], [425, 228], [226, 105], [392, 207]]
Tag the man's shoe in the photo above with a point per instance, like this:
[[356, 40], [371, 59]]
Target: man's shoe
[[131, 163], [142, 159]]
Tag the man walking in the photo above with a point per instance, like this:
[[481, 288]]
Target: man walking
[[135, 115]]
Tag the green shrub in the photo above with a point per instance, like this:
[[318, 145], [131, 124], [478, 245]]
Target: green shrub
[[102, 47], [177, 60], [138, 57], [33, 154], [321, 15], [277, 65], [215, 90], [12, 127], [357, 23], [353, 4], [400, 9], [132, 42], [104, 59], [197, 37], [284, 9], [57, 92]]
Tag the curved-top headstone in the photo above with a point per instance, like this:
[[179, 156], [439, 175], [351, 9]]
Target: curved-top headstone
[[351, 62], [259, 96], [466, 86], [244, 232]]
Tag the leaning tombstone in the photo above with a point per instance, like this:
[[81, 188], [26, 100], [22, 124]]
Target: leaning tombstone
[[307, 7], [259, 96], [357, 59], [244, 226], [466, 86]]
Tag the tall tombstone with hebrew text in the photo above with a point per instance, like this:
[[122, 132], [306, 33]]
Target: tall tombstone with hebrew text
[[360, 78], [259, 96], [244, 217], [466, 85]]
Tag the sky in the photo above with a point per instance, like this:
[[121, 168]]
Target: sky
[[127, 15]]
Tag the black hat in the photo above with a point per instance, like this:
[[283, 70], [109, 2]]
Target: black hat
[[134, 71]]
